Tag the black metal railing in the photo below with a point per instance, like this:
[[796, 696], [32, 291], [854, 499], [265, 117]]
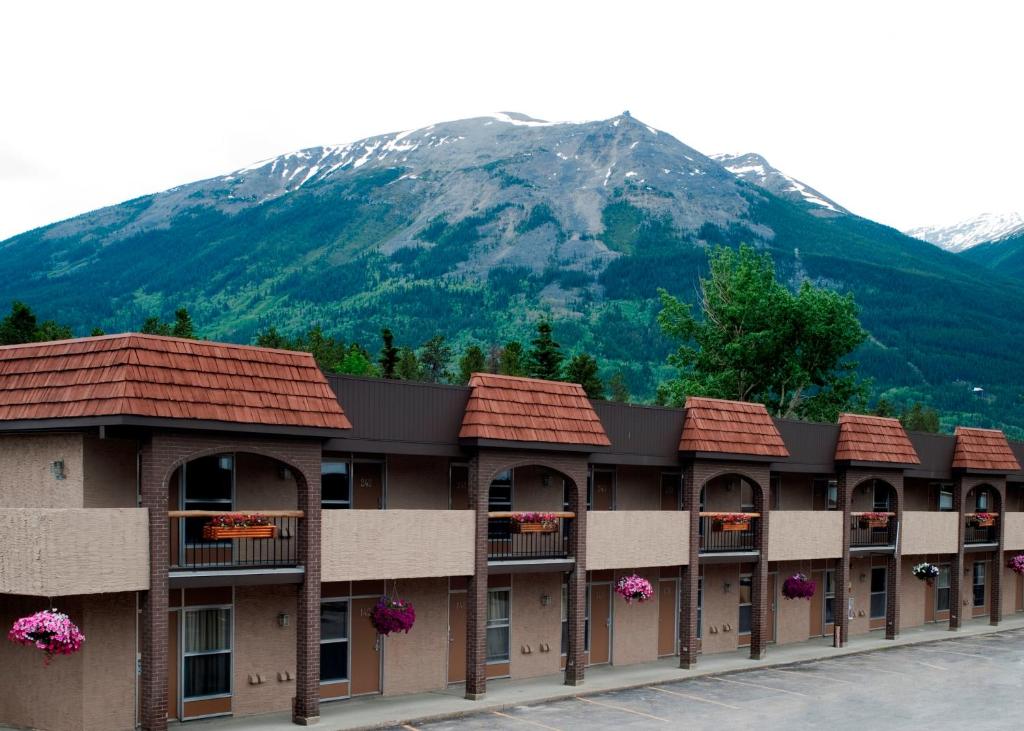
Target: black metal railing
[[196, 545], [974, 534], [508, 542], [727, 536], [868, 533]]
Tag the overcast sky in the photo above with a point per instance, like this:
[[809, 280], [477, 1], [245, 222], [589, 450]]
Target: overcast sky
[[905, 112]]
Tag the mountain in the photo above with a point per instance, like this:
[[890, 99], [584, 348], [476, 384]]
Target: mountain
[[475, 228], [964, 235], [1005, 255]]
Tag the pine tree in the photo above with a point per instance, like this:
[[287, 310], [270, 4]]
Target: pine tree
[[512, 361], [155, 326], [271, 338], [388, 354], [920, 418], [20, 326], [435, 356], [96, 332], [620, 391], [545, 358], [884, 408], [183, 324], [472, 361], [494, 359], [408, 366], [582, 369]]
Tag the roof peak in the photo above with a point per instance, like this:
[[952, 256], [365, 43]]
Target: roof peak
[[151, 337]]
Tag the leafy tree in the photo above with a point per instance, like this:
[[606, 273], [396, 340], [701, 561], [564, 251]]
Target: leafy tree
[[513, 360], [435, 356], [758, 341], [50, 330], [357, 363], [920, 418], [408, 367], [472, 361], [582, 369], [545, 357], [620, 391], [388, 354], [22, 326]]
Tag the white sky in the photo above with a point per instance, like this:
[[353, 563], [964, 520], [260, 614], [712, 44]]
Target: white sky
[[905, 112]]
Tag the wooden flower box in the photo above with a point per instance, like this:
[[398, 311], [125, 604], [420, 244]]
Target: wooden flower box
[[983, 522], [732, 527], [535, 527], [874, 522], [226, 533]]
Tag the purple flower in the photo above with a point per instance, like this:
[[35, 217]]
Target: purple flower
[[633, 587], [51, 631], [392, 615]]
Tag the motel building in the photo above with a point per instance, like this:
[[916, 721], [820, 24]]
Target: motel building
[[118, 454]]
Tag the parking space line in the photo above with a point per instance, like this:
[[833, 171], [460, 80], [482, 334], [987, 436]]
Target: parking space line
[[694, 698], [622, 708], [815, 674], [525, 720], [409, 727], [952, 652], [762, 687], [929, 665], [873, 669]]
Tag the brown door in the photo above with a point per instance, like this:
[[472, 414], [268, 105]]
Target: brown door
[[670, 491], [457, 637], [604, 490], [172, 665], [459, 484], [365, 649], [600, 624], [368, 490], [667, 613], [816, 628], [772, 604]]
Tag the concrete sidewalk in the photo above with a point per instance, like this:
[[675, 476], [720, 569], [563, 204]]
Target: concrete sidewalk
[[382, 711]]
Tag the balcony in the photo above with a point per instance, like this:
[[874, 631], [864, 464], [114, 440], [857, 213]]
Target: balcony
[[726, 533], [981, 529], [509, 540], [197, 545], [873, 531]]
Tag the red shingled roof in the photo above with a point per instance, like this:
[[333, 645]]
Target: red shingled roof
[[983, 449], [515, 409], [154, 376], [873, 439], [730, 427]]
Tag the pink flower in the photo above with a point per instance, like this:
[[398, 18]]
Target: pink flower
[[392, 615], [51, 631], [633, 587]]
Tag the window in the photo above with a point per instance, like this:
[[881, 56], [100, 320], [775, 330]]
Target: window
[[499, 499], [670, 490], [775, 492], [206, 653], [945, 498], [333, 640], [830, 596], [882, 497], [746, 496], [208, 484], [878, 593], [335, 485], [565, 620], [828, 490], [746, 609], [982, 501], [979, 583], [498, 621], [942, 589]]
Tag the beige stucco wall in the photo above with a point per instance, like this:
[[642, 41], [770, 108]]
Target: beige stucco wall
[[530, 493], [796, 492], [792, 616], [259, 484], [624, 539], [637, 488], [534, 624], [721, 608], [417, 482], [416, 662], [1013, 527], [263, 647], [74, 551], [860, 590], [26, 478], [635, 626], [396, 544], [108, 677], [915, 594], [796, 535], [928, 532], [109, 473]]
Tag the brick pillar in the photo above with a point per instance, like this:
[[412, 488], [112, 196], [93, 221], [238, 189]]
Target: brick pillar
[[956, 564], [575, 661], [995, 602], [894, 571], [691, 574], [760, 599], [476, 594], [842, 599], [306, 704], [154, 640]]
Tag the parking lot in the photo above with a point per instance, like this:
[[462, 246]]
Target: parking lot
[[974, 682]]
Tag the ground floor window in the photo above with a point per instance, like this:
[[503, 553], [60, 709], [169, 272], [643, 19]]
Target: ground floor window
[[565, 620], [499, 605], [333, 640], [942, 589], [206, 653], [830, 596], [979, 583], [878, 592], [746, 607]]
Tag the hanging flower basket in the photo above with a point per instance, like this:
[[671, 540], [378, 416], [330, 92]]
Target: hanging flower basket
[[874, 520], [926, 572], [731, 522], [983, 520], [634, 587], [392, 615], [798, 586], [239, 525], [1016, 564], [51, 631], [535, 522]]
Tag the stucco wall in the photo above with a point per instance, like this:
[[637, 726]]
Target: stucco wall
[[530, 493], [417, 482], [805, 534], [635, 626], [26, 478], [792, 616], [637, 488], [263, 647], [74, 551], [108, 674], [860, 590], [623, 539], [396, 544], [721, 608], [109, 473], [796, 492], [915, 595], [1013, 526], [722, 495], [415, 662], [928, 532], [534, 624], [259, 484]]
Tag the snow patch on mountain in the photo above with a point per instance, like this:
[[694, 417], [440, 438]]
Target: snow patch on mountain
[[755, 169], [966, 234]]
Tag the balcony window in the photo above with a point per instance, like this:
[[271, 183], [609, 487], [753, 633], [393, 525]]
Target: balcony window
[[208, 483], [335, 485], [498, 623], [945, 498], [700, 605], [878, 592], [499, 499], [979, 583], [746, 608], [333, 640], [882, 498], [982, 501], [746, 496], [206, 653], [942, 589], [829, 490]]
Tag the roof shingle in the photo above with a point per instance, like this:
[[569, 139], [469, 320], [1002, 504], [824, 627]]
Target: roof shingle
[[983, 449], [730, 427], [873, 439], [510, 408], [155, 376]]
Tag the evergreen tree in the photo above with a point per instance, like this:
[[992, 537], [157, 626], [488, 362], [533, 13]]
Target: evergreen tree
[[494, 359], [545, 358], [582, 369], [20, 326], [920, 418], [512, 361], [388, 354], [357, 363], [884, 408], [50, 330], [435, 356], [408, 367], [96, 332], [271, 338], [182, 327], [154, 326], [472, 361], [620, 391]]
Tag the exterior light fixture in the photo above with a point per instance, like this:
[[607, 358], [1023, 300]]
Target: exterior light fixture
[[726, 587]]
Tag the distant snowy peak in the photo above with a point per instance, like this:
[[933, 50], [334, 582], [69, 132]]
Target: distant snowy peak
[[966, 234], [755, 169]]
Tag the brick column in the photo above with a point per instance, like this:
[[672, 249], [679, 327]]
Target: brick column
[[476, 594], [894, 571], [759, 599], [306, 704], [575, 661], [691, 574], [956, 564], [842, 600], [995, 601], [154, 640]]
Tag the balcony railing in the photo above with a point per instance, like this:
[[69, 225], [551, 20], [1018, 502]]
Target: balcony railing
[[193, 547], [867, 531], [975, 534], [505, 542], [726, 536]]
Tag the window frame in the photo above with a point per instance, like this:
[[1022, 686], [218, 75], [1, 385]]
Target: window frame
[[565, 619], [740, 632], [505, 623], [883, 593], [945, 489], [829, 595], [336, 641], [184, 502], [183, 654], [337, 504], [982, 565], [885, 505], [944, 569]]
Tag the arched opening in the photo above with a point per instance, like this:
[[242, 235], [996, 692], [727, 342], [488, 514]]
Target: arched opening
[[982, 512], [874, 506], [530, 515], [730, 507]]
